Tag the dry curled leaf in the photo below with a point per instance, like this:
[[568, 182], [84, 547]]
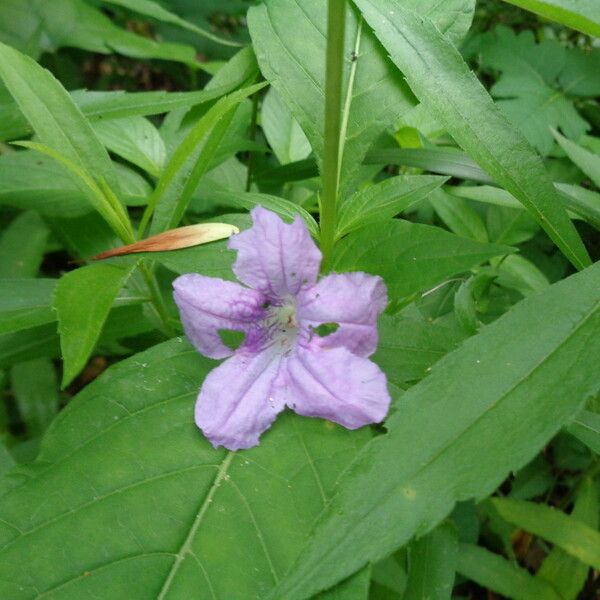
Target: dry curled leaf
[[175, 239]]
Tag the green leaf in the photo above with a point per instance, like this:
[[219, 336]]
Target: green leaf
[[446, 161], [135, 139], [114, 105], [567, 574], [409, 345], [285, 208], [585, 203], [55, 118], [190, 161], [432, 565], [518, 273], [495, 573], [36, 393], [289, 39], [460, 218], [77, 24], [101, 197], [384, 200], [583, 15], [83, 299], [468, 411], [188, 512], [282, 131], [586, 428], [32, 181], [566, 532], [156, 11], [441, 79], [587, 161], [22, 246], [37, 342], [533, 90], [410, 257], [25, 303]]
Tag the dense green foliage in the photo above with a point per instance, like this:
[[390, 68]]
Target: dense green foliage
[[452, 148]]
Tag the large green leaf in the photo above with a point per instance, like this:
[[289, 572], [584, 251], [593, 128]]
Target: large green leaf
[[458, 433], [128, 499], [441, 79], [583, 15], [410, 257], [82, 299], [289, 39]]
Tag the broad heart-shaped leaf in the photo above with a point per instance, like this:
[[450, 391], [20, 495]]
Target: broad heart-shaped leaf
[[410, 257], [486, 409], [289, 38], [82, 300], [441, 79], [583, 15], [54, 116], [128, 500]]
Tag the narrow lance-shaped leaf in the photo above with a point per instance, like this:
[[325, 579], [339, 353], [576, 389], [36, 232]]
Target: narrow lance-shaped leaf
[[54, 116], [156, 11], [441, 79], [570, 534], [561, 570], [583, 15], [499, 575], [384, 200], [457, 434], [432, 565], [189, 162]]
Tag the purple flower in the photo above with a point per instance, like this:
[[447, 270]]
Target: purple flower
[[284, 360]]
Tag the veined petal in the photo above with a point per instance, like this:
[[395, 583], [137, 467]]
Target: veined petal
[[207, 304], [353, 301], [337, 385], [241, 398], [274, 257]]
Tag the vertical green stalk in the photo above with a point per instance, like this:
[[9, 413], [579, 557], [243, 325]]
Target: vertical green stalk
[[336, 24]]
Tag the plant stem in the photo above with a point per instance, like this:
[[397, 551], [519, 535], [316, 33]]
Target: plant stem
[[336, 24], [253, 129]]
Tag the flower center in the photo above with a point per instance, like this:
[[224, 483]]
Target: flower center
[[283, 326]]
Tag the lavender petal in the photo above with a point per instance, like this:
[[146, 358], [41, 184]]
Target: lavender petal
[[353, 301], [208, 304], [337, 385], [241, 398], [274, 257]]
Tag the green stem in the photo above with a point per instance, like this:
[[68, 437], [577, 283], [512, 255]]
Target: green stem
[[253, 130], [336, 24]]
